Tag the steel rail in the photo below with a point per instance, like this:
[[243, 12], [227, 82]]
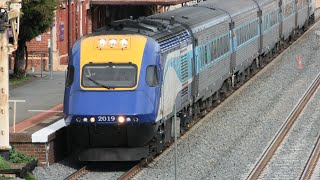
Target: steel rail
[[278, 138], [82, 171], [134, 170], [312, 161]]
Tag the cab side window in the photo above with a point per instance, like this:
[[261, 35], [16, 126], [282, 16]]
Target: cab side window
[[152, 76], [70, 75]]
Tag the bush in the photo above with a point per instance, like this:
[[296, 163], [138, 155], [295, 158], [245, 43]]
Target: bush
[[17, 157]]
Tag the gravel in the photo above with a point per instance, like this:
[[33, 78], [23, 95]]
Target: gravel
[[102, 175], [107, 170], [233, 136], [97, 170], [57, 171], [316, 172], [291, 157]]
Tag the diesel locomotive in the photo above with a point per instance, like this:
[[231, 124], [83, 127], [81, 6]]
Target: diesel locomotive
[[126, 82]]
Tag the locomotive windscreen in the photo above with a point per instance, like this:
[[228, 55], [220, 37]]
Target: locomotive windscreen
[[109, 75]]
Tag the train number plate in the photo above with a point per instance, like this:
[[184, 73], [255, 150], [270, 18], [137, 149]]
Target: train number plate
[[106, 118]]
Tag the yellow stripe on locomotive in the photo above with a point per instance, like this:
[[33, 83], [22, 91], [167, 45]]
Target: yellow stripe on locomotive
[[115, 49]]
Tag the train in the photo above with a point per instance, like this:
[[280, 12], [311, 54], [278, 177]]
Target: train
[[131, 85]]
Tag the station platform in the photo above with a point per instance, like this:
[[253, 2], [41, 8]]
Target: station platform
[[38, 129]]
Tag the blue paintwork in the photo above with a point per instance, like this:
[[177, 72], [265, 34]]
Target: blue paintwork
[[143, 102], [175, 64]]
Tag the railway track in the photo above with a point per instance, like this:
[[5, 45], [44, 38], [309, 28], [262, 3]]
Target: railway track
[[281, 134], [79, 173], [312, 162], [109, 167], [134, 170], [258, 168]]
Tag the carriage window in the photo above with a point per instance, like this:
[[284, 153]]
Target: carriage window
[[213, 50], [274, 18], [152, 76], [109, 75], [205, 55], [70, 75]]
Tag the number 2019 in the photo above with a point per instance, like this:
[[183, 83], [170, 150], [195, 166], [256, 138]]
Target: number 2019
[[106, 118]]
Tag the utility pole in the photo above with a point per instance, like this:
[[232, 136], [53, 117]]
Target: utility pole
[[9, 17], [51, 52]]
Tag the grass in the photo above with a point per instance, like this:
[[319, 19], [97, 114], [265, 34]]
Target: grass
[[14, 81], [4, 164]]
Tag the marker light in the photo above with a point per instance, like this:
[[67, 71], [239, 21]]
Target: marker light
[[124, 43], [113, 43], [102, 42], [121, 119], [78, 119], [85, 119], [92, 119], [135, 119], [128, 119]]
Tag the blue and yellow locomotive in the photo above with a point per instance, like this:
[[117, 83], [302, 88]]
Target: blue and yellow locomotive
[[126, 82], [113, 97]]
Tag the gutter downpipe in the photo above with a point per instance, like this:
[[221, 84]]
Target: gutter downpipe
[[69, 26]]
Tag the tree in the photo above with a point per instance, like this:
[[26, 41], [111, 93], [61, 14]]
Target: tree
[[38, 16]]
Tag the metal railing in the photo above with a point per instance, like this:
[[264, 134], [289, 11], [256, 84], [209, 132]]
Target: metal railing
[[15, 111]]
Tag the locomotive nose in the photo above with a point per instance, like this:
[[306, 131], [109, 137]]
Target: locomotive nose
[[117, 103]]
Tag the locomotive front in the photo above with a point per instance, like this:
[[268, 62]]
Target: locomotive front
[[112, 97]]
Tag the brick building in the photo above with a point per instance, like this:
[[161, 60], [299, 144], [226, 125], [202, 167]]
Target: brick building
[[38, 47]]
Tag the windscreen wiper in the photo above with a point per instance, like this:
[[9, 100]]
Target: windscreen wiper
[[96, 82]]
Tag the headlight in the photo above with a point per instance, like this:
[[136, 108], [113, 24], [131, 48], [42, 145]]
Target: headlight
[[92, 119], [121, 119], [85, 119], [113, 43], [124, 43], [103, 42]]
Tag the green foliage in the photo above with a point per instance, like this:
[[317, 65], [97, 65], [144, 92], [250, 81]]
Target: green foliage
[[37, 18], [15, 81], [17, 157], [4, 164], [30, 176]]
